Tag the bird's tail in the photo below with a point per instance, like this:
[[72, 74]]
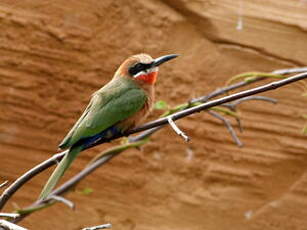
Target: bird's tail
[[59, 171]]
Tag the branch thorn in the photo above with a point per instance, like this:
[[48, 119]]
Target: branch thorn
[[4, 183], [177, 130], [9, 215], [104, 226], [63, 200]]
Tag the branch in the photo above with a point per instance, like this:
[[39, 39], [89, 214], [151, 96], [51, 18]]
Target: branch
[[162, 121], [8, 192], [104, 226], [103, 158], [9, 226], [199, 108], [153, 126]]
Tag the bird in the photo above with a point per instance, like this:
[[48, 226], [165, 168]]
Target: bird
[[120, 105]]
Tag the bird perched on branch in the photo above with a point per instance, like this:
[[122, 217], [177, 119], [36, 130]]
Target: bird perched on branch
[[115, 108]]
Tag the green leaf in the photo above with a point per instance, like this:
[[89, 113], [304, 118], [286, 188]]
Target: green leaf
[[34, 209], [252, 76], [225, 111], [304, 131], [86, 191], [161, 105]]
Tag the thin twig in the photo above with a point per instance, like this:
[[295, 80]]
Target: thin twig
[[232, 105], [224, 90], [239, 124], [176, 129], [259, 98], [234, 109], [4, 183], [104, 226], [10, 226], [69, 203], [228, 126], [289, 71], [9, 215], [145, 134]]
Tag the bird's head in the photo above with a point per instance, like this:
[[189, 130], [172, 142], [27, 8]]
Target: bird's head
[[142, 68]]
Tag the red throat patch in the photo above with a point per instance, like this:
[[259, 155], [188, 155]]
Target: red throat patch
[[149, 78]]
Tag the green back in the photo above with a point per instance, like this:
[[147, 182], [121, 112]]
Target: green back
[[116, 101]]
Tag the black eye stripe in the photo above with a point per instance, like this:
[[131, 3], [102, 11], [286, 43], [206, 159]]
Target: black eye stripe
[[138, 67]]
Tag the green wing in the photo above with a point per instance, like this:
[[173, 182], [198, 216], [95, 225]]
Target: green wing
[[115, 102]]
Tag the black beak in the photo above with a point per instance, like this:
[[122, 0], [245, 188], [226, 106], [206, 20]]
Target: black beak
[[160, 60]]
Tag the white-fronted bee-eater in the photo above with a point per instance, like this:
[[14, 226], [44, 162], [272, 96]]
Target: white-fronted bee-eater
[[118, 106]]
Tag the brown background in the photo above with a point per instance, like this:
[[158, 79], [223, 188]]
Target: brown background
[[54, 54]]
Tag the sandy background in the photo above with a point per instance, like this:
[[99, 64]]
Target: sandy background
[[54, 54]]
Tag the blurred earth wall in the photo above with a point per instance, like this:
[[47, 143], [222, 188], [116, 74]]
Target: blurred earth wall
[[55, 54]]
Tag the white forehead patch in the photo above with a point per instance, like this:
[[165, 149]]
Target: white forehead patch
[[144, 58]]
